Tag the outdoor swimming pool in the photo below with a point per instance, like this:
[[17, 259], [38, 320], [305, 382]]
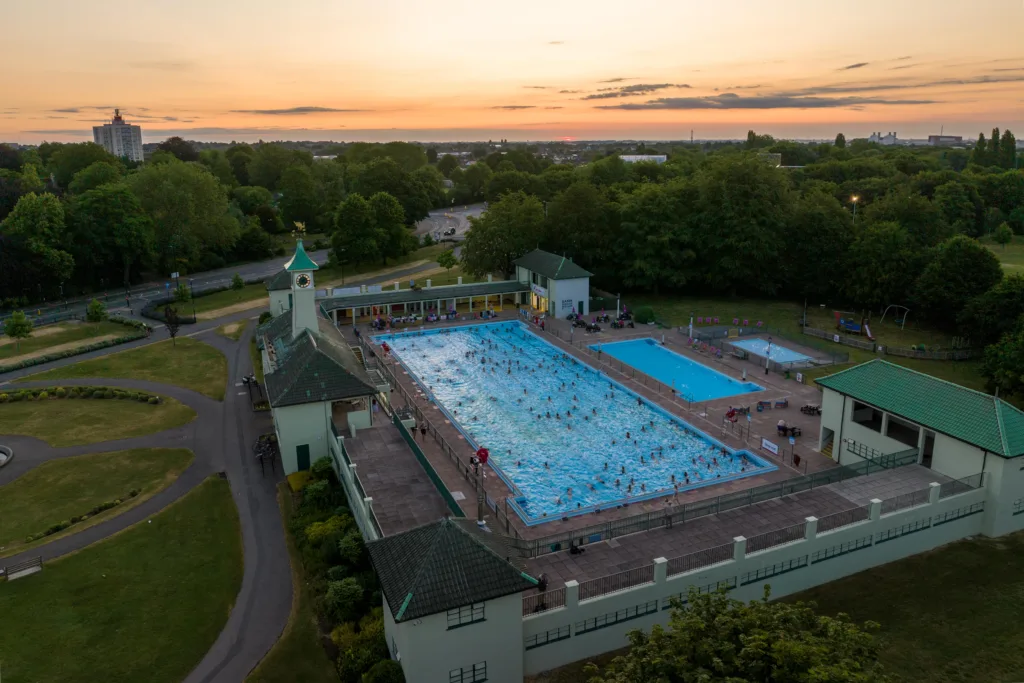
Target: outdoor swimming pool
[[565, 437], [692, 380], [779, 354]]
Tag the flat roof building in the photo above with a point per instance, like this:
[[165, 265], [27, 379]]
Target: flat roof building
[[119, 138]]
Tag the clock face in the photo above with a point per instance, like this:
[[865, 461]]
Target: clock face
[[303, 280]]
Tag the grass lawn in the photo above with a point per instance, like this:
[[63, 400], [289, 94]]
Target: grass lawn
[[144, 605], [257, 360], [950, 615], [61, 489], [188, 363], [298, 655], [232, 331], [64, 335], [784, 317], [1010, 256], [78, 421]]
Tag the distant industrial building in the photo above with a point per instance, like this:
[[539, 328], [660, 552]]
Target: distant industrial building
[[119, 138], [636, 158], [945, 140], [887, 139]]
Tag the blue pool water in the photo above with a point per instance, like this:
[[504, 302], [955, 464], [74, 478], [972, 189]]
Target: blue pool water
[[779, 354], [552, 424], [692, 380]]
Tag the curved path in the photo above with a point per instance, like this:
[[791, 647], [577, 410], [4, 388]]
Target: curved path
[[221, 437]]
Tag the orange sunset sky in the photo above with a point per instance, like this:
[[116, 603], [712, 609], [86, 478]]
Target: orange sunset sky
[[523, 70]]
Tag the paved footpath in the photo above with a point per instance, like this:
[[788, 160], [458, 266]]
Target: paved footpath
[[221, 437]]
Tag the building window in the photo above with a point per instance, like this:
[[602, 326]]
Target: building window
[[902, 431], [469, 674], [466, 615], [552, 636], [616, 617], [866, 416], [533, 278], [543, 281]]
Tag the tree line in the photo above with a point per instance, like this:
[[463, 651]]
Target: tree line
[[74, 218]]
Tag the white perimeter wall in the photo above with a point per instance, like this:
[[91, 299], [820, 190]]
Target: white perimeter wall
[[566, 295], [787, 569]]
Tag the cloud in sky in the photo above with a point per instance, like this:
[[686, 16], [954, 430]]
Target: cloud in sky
[[513, 107], [733, 101], [620, 79], [630, 90], [850, 67], [537, 87], [554, 107], [569, 92], [294, 111], [556, 42], [839, 89]]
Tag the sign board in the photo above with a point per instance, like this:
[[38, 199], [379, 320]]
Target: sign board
[[835, 338], [792, 440], [567, 304], [769, 446], [539, 291], [748, 417], [374, 289], [800, 377], [174, 275], [412, 283], [344, 291]]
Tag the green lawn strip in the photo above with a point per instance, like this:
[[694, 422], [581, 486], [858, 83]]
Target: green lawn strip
[[187, 363], [78, 421], [949, 615], [298, 654], [61, 489], [257, 360], [144, 605], [69, 332], [1010, 256], [236, 334]]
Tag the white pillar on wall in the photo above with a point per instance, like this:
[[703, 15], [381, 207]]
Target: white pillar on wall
[[811, 528], [572, 594], [739, 548]]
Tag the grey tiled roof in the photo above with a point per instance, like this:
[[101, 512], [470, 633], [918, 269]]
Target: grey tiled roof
[[402, 296], [551, 266], [441, 566], [312, 367], [282, 280]]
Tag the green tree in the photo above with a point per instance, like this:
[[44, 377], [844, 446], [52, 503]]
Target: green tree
[[1003, 234], [386, 175], [1003, 363], [108, 230], [343, 600], [715, 639], [882, 265], [919, 217], [189, 211], [183, 150], [300, 199], [254, 243], [993, 148], [989, 316], [578, 224], [217, 162], [393, 239], [448, 260], [68, 160], [269, 162], [431, 155], [251, 197], [172, 322], [654, 247], [385, 671], [239, 157], [237, 283], [960, 270], [10, 158], [1008, 150], [960, 206], [446, 164], [510, 227], [820, 230], [18, 327], [979, 155], [505, 182], [405, 155], [477, 177], [37, 222], [355, 238], [94, 175], [841, 141], [96, 312]]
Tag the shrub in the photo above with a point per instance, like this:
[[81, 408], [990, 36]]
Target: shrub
[[318, 494], [96, 312], [385, 671], [644, 315], [98, 393], [43, 395], [108, 394], [352, 548], [153, 400], [343, 600], [76, 520], [4, 398], [321, 469], [344, 635], [17, 397], [133, 493], [264, 317], [318, 531], [61, 392], [337, 574]]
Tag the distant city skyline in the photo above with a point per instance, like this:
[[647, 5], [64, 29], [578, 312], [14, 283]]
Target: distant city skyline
[[528, 70]]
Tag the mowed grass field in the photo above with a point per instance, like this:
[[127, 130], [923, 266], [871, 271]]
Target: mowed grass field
[[77, 421], [144, 605], [185, 363], [1011, 256], [58, 490], [63, 335]]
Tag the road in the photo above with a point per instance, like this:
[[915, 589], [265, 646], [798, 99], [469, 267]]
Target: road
[[443, 219]]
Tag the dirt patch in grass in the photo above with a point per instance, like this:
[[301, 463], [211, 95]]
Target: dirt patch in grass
[[61, 347], [232, 331], [38, 332], [228, 310]]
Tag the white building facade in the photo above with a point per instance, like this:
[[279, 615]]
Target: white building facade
[[558, 287], [121, 139]]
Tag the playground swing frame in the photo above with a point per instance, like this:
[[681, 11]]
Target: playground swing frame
[[900, 321]]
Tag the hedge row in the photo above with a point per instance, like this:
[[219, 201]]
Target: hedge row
[[139, 330], [53, 393], [61, 526]]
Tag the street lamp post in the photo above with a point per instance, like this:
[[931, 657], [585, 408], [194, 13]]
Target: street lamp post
[[192, 296], [855, 199], [768, 356]]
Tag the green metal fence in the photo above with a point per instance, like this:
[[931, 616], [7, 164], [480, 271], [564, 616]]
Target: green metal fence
[[431, 472]]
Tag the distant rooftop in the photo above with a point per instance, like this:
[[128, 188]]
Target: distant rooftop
[[551, 266]]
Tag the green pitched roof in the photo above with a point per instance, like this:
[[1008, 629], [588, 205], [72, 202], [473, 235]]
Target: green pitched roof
[[961, 413], [301, 260], [313, 367], [441, 566], [282, 280], [551, 266]]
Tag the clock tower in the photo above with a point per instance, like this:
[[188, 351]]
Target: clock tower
[[300, 269]]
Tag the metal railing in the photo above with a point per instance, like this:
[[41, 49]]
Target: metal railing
[[22, 566], [637, 576], [700, 559], [542, 602], [906, 500], [432, 474], [952, 488], [845, 518], [886, 460], [777, 537]]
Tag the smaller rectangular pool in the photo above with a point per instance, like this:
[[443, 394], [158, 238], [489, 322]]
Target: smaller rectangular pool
[[779, 354], [692, 380]]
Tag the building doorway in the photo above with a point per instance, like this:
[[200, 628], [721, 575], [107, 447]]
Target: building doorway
[[927, 449], [302, 457]]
